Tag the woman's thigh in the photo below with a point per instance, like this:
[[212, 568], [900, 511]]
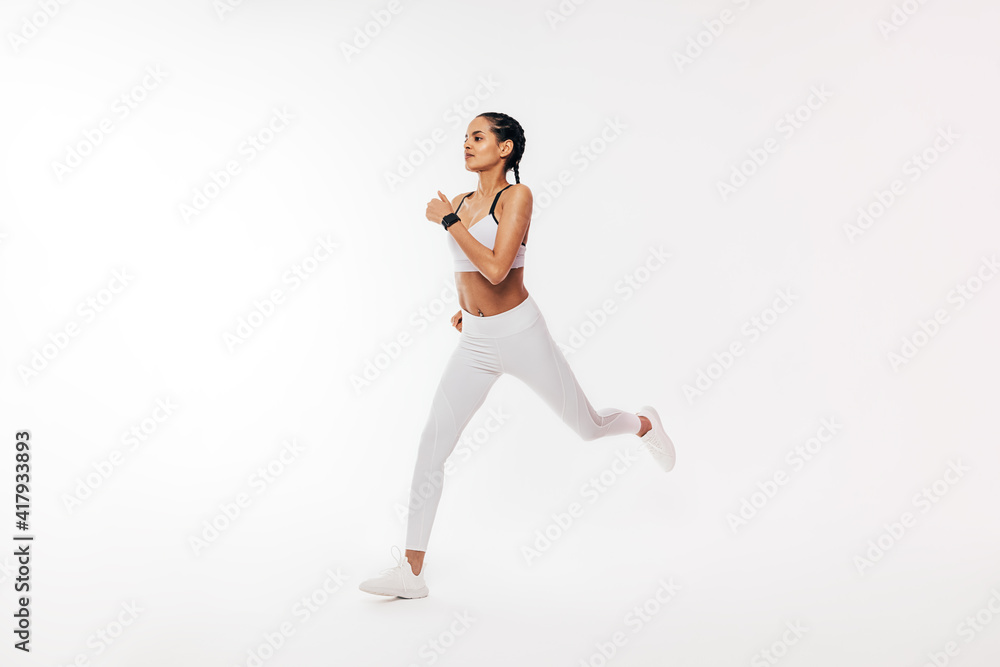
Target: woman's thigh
[[465, 382], [533, 357]]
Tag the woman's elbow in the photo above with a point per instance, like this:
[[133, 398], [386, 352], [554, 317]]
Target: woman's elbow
[[498, 274]]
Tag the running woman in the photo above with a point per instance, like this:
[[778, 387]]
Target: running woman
[[502, 331]]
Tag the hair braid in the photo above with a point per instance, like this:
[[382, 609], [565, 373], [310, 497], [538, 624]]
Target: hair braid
[[505, 127]]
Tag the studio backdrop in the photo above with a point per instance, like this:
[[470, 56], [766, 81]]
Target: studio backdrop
[[224, 314]]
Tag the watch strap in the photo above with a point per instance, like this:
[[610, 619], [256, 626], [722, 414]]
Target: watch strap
[[450, 220]]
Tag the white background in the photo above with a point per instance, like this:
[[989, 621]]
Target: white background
[[104, 541]]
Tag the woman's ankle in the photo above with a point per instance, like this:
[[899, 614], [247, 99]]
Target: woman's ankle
[[416, 560]]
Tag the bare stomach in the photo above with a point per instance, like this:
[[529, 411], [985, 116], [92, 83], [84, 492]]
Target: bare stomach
[[479, 296]]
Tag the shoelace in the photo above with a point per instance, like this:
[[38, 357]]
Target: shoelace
[[399, 561], [398, 567]]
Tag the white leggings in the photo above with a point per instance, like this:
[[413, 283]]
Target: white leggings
[[516, 341]]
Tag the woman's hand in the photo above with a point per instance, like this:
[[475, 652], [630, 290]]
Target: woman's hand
[[438, 208], [456, 320]]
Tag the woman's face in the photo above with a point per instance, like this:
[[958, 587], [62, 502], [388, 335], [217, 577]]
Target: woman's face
[[481, 149]]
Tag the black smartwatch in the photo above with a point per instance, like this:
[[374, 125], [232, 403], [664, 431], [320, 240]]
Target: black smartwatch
[[450, 220]]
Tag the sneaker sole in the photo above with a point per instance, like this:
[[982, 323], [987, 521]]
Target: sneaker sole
[[418, 593], [650, 413]]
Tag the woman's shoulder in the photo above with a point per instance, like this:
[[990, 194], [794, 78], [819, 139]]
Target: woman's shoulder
[[518, 190], [517, 195]]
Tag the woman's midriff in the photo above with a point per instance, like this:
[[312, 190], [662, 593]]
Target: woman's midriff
[[476, 295]]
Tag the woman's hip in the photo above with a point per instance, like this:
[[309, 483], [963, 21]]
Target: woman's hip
[[509, 322]]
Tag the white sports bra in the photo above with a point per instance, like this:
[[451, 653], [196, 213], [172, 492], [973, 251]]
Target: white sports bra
[[485, 234]]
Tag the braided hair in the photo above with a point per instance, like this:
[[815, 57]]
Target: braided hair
[[505, 127]]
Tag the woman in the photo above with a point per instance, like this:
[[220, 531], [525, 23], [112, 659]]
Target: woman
[[503, 331]]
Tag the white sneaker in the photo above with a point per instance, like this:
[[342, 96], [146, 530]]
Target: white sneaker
[[656, 441], [399, 580]]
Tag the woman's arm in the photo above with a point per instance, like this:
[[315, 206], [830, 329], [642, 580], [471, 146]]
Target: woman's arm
[[495, 264], [516, 216]]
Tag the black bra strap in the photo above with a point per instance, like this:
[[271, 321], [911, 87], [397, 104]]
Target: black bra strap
[[496, 199], [462, 202]]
